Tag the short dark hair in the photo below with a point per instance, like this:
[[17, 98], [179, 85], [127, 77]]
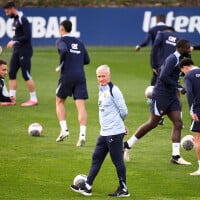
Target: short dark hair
[[160, 18], [182, 43], [186, 62], [169, 28], [67, 25], [3, 62], [9, 4]]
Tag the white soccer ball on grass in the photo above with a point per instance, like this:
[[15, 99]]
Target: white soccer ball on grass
[[35, 129], [187, 142], [79, 179]]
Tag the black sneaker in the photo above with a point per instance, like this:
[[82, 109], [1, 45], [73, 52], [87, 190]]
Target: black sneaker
[[120, 192], [82, 189], [126, 150], [126, 145]]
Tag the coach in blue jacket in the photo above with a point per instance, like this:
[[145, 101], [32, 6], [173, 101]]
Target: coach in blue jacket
[[112, 113]]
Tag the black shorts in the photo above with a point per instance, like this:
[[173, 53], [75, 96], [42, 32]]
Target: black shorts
[[75, 88], [20, 60], [162, 105], [195, 126]]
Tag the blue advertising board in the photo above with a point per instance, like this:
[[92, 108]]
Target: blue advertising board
[[104, 26]]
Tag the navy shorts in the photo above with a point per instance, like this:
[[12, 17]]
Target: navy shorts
[[161, 105], [76, 88], [195, 126], [20, 60]]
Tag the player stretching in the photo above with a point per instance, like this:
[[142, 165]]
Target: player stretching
[[165, 102]]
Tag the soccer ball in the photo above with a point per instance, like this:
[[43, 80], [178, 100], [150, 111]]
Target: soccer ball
[[149, 91], [187, 142], [35, 129], [80, 179]]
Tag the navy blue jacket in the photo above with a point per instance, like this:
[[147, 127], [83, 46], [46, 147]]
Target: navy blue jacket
[[73, 57], [192, 84], [22, 36], [164, 45], [167, 82], [151, 35]]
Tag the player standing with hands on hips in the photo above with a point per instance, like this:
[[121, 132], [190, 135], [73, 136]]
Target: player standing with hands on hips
[[21, 56], [73, 57], [192, 84], [165, 102], [112, 113]]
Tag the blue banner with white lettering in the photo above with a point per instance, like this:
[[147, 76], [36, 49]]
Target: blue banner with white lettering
[[104, 26]]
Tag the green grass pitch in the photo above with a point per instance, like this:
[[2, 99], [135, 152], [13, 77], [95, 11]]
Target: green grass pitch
[[39, 168]]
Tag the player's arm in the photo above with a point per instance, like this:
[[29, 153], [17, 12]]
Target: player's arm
[[190, 96], [145, 42], [154, 51], [167, 70], [190, 99], [62, 50], [120, 102], [86, 57]]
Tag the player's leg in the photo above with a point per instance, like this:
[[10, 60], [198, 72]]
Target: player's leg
[[195, 128], [80, 94], [61, 115], [26, 69], [140, 132], [197, 149], [99, 154], [82, 119], [14, 67], [115, 144], [62, 92], [175, 117]]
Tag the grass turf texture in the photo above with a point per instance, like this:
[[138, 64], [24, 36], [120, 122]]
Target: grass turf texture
[[39, 168]]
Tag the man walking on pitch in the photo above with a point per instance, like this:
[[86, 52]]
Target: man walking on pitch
[[192, 83], [165, 102], [22, 53], [73, 57], [112, 113]]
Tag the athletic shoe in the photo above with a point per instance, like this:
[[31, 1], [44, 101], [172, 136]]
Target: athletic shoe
[[179, 160], [8, 103], [196, 173], [29, 103], [62, 136], [82, 189], [81, 141], [126, 151], [120, 192]]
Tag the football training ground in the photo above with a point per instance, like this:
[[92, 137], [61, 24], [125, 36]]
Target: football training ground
[[38, 168]]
